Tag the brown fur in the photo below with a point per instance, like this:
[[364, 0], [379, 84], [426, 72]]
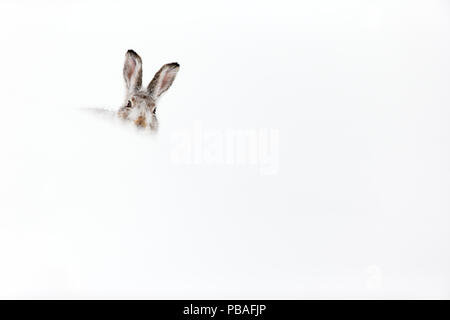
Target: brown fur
[[140, 122]]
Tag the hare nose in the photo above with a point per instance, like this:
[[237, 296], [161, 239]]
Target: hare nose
[[140, 121]]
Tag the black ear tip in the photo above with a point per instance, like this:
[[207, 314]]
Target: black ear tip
[[173, 65], [132, 52]]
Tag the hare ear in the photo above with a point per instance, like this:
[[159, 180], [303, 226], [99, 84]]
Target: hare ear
[[163, 79], [132, 71]]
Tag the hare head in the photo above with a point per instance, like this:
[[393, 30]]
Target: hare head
[[140, 103]]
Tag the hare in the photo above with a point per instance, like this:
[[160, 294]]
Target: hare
[[140, 103]]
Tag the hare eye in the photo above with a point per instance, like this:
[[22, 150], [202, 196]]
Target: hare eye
[[129, 104]]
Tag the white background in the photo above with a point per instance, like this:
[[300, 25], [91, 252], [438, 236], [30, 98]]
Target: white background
[[358, 208]]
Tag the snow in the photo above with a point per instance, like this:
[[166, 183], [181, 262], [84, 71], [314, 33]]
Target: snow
[[340, 189]]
